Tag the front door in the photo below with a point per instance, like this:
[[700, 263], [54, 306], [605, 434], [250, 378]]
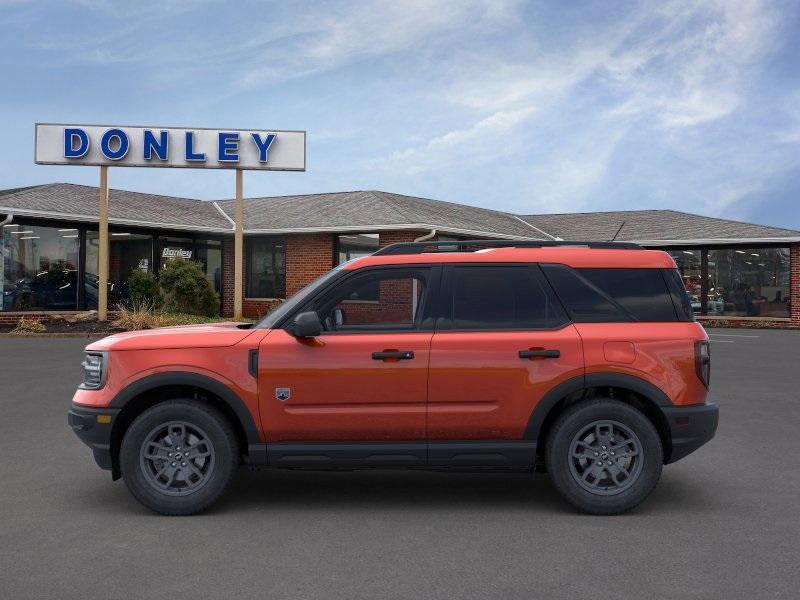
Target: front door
[[363, 381], [502, 342]]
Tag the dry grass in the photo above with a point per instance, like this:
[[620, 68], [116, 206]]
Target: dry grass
[[26, 325], [143, 316]]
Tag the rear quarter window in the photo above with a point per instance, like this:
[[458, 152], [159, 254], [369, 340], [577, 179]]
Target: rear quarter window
[[613, 295]]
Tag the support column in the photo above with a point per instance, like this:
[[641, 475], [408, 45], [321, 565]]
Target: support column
[[103, 254], [238, 250]]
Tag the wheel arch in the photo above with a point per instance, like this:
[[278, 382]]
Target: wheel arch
[[160, 387], [632, 390]]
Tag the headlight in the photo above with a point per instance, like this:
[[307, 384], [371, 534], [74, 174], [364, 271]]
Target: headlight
[[94, 370]]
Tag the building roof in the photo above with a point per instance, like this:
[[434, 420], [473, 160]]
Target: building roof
[[653, 227], [365, 211], [80, 203], [374, 210]]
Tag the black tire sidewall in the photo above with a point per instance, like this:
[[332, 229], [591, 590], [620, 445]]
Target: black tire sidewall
[[557, 455], [213, 423]]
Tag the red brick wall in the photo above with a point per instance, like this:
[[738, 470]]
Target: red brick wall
[[307, 257]]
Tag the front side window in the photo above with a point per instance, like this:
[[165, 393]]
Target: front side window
[[501, 298], [39, 267], [266, 267], [397, 299]]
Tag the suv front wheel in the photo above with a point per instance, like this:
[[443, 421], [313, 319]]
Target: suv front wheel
[[178, 457], [604, 456]]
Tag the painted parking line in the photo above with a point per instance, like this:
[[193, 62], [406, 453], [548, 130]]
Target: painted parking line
[[723, 341]]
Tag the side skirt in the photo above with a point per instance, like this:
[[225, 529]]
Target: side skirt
[[467, 454]]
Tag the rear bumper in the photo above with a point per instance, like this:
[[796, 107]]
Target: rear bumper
[[690, 427], [93, 431]]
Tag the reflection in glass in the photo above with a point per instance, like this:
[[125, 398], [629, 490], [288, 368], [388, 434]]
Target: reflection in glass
[[749, 282], [39, 268]]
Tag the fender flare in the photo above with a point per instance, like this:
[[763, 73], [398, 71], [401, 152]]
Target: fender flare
[[204, 382], [583, 382]]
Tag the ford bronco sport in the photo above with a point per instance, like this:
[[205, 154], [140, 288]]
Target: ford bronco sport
[[582, 359]]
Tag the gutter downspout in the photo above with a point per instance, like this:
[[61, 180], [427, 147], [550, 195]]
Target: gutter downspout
[[427, 236], [7, 220]]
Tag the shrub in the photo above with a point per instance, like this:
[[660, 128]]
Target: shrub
[[26, 325], [186, 290], [136, 316], [143, 289]]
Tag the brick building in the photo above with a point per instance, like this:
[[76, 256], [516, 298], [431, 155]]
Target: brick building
[[742, 273]]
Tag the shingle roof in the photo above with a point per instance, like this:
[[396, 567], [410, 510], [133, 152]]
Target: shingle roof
[[652, 226], [364, 211], [70, 201], [351, 211]]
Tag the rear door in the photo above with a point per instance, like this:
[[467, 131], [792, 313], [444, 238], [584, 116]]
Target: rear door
[[502, 342]]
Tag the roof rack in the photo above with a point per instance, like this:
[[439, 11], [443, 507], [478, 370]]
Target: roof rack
[[473, 245]]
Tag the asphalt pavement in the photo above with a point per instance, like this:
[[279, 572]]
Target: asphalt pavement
[[723, 523]]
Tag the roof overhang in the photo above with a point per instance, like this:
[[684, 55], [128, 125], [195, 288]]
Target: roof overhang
[[719, 241]]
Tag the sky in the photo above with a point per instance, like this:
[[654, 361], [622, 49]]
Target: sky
[[528, 107]]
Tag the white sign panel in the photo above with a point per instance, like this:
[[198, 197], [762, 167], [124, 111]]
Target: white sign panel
[[189, 148]]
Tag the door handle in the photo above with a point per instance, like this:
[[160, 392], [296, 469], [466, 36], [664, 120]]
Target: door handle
[[393, 355], [539, 353]]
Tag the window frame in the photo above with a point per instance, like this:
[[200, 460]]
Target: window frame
[[428, 302], [444, 322]]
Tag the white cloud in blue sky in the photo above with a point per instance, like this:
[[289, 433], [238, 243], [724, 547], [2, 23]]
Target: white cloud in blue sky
[[521, 106]]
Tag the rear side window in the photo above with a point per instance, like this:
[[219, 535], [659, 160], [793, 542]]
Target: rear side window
[[501, 297], [683, 306], [611, 295]]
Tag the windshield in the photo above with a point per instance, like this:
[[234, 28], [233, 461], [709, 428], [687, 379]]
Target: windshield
[[277, 314]]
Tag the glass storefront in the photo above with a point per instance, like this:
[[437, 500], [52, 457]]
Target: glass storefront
[[128, 251], [749, 282], [39, 267], [736, 282]]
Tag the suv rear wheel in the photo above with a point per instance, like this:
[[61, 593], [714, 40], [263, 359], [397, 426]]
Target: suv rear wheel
[[178, 457], [604, 456]]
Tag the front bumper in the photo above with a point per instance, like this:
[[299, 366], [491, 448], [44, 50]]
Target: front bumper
[[690, 427], [93, 426]]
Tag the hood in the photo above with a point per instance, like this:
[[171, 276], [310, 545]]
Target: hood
[[189, 336]]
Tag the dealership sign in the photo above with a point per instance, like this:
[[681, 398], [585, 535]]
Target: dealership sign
[[193, 148]]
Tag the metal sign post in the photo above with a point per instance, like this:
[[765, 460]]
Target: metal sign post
[[176, 147], [103, 253]]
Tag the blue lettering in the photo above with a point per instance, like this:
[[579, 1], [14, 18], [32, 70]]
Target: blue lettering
[[228, 147], [70, 137], [159, 146], [190, 153], [122, 144], [263, 145]]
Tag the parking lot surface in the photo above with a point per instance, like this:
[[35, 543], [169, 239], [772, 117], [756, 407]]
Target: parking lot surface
[[723, 523]]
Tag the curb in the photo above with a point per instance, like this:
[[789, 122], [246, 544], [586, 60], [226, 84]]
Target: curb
[[53, 335]]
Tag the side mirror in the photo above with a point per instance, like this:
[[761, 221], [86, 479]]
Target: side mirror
[[306, 325]]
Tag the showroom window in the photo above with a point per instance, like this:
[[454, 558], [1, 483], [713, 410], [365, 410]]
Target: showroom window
[[748, 282], [356, 245], [128, 252], [266, 267], [736, 282], [39, 267]]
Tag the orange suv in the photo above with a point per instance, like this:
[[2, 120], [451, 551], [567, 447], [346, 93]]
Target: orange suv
[[582, 359]]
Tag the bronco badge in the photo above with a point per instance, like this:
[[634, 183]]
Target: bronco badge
[[283, 394]]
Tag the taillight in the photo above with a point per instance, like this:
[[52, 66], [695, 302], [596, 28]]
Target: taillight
[[702, 361]]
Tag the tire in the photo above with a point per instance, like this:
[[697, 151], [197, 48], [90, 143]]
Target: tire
[[156, 467], [604, 456]]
